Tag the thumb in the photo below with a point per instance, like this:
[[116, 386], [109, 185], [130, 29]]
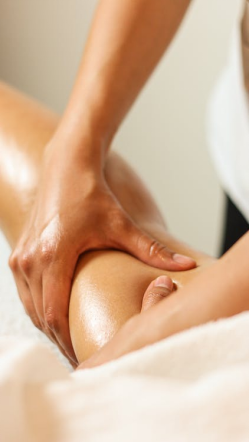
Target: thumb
[[157, 291], [154, 253]]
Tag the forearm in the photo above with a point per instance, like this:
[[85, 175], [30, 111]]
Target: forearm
[[220, 291], [126, 41]]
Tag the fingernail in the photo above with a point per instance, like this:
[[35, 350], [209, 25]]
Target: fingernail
[[182, 259], [164, 282]]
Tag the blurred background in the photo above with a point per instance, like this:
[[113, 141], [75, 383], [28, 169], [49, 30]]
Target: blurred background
[[164, 136]]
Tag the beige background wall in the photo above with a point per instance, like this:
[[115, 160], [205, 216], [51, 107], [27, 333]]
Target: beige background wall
[[164, 135]]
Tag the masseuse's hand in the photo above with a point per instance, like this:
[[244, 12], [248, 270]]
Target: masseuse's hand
[[74, 211]]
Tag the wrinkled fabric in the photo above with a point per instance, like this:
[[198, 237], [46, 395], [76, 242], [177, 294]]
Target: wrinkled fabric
[[193, 386]]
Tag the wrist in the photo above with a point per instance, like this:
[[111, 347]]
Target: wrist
[[85, 150], [88, 121]]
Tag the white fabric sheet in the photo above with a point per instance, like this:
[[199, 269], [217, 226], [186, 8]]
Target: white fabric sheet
[[191, 387]]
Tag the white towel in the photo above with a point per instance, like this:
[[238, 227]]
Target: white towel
[[193, 386]]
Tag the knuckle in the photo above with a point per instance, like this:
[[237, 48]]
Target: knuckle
[[51, 320], [25, 262], [46, 254], [156, 249], [13, 261]]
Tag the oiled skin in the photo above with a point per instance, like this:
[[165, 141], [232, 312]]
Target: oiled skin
[[108, 286]]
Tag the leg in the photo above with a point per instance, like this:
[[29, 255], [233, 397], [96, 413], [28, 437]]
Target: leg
[[108, 286]]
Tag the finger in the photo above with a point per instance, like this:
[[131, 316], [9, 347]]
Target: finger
[[35, 285], [158, 289], [56, 297], [26, 299], [35, 294], [20, 266], [154, 253], [51, 336], [49, 332], [29, 304]]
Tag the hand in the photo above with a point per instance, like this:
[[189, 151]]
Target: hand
[[74, 211], [134, 334]]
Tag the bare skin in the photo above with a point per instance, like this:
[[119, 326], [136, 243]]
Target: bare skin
[[108, 286], [220, 291], [71, 215]]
